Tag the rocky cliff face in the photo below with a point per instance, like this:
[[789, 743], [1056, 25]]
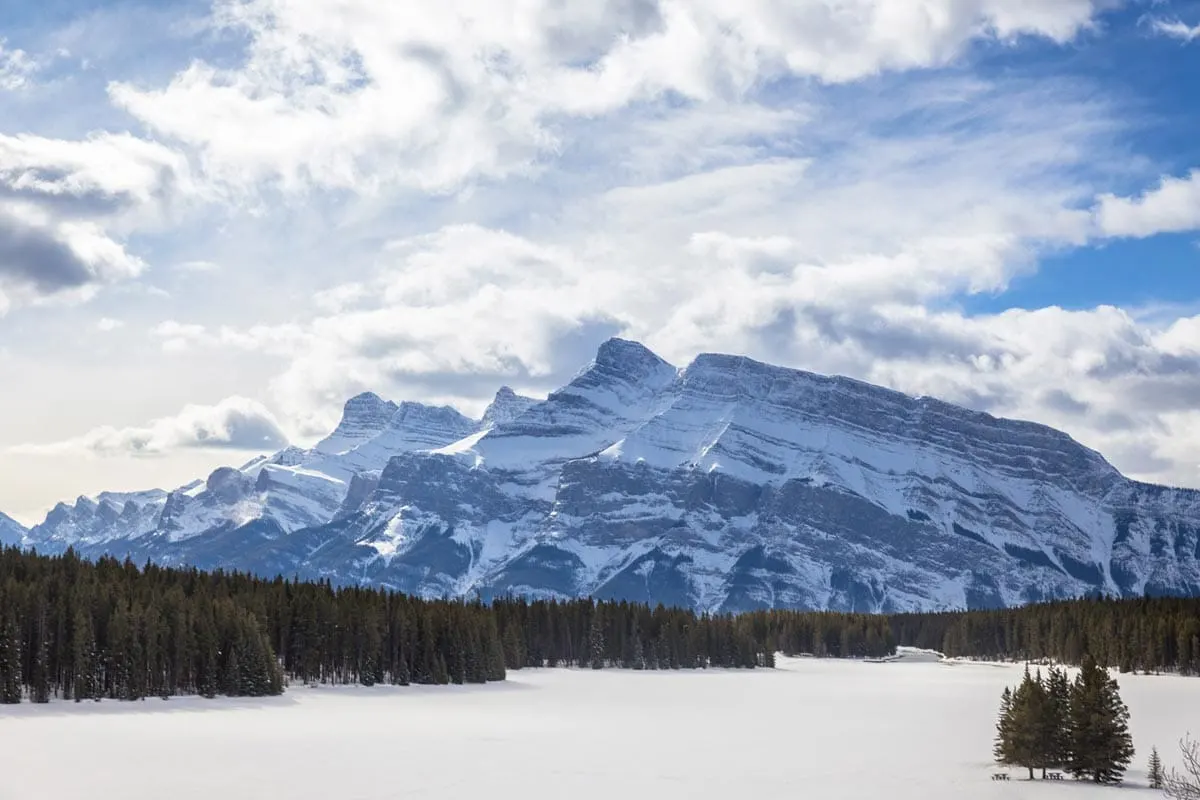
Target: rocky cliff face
[[728, 484]]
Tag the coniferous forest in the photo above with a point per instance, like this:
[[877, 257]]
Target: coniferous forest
[[75, 629], [1160, 634]]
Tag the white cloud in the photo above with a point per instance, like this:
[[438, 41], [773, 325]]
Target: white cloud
[[65, 206], [177, 337], [1172, 207], [832, 262], [699, 175], [16, 68], [359, 95], [107, 324], [234, 423], [1176, 29]]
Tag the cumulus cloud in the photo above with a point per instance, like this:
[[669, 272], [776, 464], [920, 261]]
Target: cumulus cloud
[[107, 324], [830, 262], [699, 175], [65, 205], [1171, 207], [235, 423], [355, 94]]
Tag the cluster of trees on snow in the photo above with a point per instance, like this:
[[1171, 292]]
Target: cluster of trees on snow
[[1147, 634], [1051, 723]]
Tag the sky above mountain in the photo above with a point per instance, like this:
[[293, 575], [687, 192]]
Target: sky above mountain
[[218, 220]]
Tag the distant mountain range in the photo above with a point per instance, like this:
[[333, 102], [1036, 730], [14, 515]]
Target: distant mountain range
[[725, 485]]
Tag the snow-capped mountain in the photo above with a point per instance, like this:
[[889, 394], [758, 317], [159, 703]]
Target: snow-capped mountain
[[11, 531], [728, 484]]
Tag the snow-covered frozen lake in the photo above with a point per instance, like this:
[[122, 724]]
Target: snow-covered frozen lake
[[810, 729]]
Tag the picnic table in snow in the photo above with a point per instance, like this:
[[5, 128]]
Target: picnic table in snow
[[1055, 776], [999, 776]]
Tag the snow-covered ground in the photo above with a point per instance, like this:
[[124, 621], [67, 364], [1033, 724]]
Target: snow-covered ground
[[812, 728]]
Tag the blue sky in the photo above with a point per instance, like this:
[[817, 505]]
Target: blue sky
[[220, 218]]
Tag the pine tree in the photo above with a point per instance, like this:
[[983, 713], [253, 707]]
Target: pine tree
[[1155, 771], [1101, 747]]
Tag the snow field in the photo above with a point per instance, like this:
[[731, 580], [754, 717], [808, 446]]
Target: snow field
[[810, 729]]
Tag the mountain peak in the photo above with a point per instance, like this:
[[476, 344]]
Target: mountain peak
[[363, 416], [367, 406], [506, 406], [11, 531], [411, 413], [816, 491], [627, 355]]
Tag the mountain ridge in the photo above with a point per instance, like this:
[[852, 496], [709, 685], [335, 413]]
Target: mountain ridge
[[724, 485]]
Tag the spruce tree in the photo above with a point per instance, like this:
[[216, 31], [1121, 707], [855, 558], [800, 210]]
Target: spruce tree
[[1101, 747], [1155, 771]]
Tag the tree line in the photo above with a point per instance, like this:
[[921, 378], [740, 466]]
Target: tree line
[[1146, 634], [82, 630], [76, 629]]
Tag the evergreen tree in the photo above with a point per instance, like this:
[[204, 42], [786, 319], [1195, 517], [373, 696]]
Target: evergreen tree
[[10, 660], [596, 643], [1155, 771], [1002, 749], [514, 658], [1058, 693], [1026, 729], [83, 657], [1101, 747], [40, 679]]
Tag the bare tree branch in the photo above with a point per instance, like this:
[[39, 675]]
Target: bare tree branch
[[1185, 785]]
